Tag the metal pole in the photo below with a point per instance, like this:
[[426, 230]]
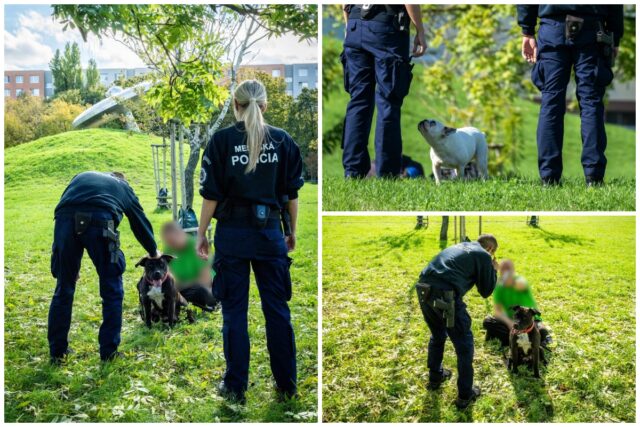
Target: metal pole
[[183, 190], [174, 186], [463, 229], [164, 161], [455, 229], [156, 172]]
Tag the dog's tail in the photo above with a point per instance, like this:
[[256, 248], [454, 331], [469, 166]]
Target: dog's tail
[[482, 157]]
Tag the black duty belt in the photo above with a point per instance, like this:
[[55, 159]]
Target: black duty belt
[[381, 16], [240, 211], [590, 22]]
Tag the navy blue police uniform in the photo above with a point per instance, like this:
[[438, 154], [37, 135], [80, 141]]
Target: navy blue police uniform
[[242, 242], [87, 217], [377, 71], [456, 269], [558, 53]]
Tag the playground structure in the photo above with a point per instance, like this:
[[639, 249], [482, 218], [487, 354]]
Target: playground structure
[[460, 226], [100, 113], [181, 213]]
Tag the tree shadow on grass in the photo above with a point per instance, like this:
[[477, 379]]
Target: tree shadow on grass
[[551, 237], [406, 241]]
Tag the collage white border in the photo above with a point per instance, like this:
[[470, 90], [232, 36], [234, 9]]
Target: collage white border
[[321, 212]]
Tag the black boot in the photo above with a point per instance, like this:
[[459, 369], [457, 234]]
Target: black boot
[[113, 356], [59, 360], [464, 403], [230, 395], [435, 384]]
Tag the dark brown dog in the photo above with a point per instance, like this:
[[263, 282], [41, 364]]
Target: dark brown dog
[[159, 298], [524, 339]]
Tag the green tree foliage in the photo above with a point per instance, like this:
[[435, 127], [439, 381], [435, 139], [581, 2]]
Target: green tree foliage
[[28, 117], [303, 127], [92, 74], [174, 41], [66, 68]]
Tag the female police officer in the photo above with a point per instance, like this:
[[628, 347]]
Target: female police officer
[[250, 176]]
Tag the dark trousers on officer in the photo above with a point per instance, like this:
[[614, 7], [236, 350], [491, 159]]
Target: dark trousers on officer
[[238, 250], [377, 72], [68, 248], [462, 340], [557, 56]]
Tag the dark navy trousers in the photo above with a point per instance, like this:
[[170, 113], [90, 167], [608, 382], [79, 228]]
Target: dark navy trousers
[[237, 251], [66, 257], [462, 340], [557, 57], [377, 72]]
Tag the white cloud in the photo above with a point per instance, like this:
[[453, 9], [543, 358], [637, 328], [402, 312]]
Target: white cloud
[[25, 50], [284, 50], [38, 35]]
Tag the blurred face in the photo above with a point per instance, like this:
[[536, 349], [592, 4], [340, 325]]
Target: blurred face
[[507, 272], [174, 239]]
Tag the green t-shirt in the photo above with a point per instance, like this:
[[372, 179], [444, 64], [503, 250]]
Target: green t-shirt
[[508, 296], [187, 266]]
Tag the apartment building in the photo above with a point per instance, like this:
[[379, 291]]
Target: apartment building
[[296, 76], [29, 81]]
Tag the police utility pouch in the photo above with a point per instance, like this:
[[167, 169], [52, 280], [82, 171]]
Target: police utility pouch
[[82, 222], [441, 301], [572, 26], [261, 214], [605, 41]]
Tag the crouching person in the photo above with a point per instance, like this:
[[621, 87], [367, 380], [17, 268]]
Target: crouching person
[[87, 217], [511, 290], [193, 275]]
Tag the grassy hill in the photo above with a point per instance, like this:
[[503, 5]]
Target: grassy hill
[[524, 195], [582, 272], [168, 375]]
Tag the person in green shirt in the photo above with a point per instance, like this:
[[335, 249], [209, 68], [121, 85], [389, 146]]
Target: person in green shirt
[[511, 290], [192, 274]]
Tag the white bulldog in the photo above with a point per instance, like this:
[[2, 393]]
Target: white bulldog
[[455, 148]]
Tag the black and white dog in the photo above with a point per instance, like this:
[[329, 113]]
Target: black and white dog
[[159, 298], [455, 148]]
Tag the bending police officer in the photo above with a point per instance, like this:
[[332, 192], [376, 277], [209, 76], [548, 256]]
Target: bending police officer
[[251, 174], [377, 68], [584, 38], [87, 217], [441, 286]]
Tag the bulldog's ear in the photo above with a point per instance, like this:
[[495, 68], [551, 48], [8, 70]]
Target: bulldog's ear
[[142, 262], [447, 131], [536, 312], [168, 258], [515, 308]]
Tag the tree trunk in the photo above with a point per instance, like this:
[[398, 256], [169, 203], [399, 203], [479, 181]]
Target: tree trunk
[[444, 228]]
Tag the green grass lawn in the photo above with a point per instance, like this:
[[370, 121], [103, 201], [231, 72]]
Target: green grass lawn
[[522, 193], [582, 270], [168, 375]]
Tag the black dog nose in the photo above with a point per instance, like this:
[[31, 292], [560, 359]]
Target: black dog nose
[[157, 275]]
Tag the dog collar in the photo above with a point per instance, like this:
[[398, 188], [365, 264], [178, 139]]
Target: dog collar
[[523, 331], [157, 283]]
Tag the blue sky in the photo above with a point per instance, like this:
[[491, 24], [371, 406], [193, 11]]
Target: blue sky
[[31, 37]]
